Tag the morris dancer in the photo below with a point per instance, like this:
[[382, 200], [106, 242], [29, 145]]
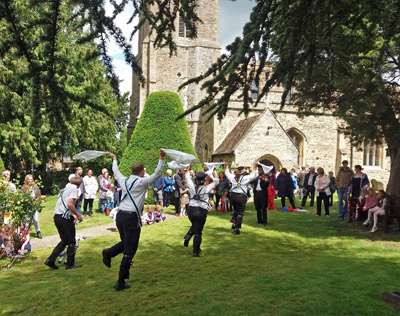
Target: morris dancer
[[198, 207], [129, 222], [240, 182]]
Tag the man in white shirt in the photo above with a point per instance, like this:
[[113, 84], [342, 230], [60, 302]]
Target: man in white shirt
[[129, 222], [64, 214], [240, 182]]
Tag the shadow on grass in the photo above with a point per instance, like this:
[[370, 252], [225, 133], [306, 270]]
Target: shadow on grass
[[262, 271]]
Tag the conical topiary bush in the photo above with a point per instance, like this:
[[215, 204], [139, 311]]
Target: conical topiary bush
[[157, 128]]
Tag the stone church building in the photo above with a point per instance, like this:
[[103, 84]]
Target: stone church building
[[268, 134]]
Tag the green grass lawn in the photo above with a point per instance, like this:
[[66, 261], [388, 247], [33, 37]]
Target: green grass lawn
[[47, 227], [298, 265]]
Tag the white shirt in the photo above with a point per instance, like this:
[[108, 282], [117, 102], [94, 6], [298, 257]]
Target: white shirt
[[310, 179], [203, 192], [69, 192], [139, 188], [91, 187], [110, 195], [241, 185], [258, 188]]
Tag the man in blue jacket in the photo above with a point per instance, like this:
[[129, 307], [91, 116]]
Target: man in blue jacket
[[158, 191]]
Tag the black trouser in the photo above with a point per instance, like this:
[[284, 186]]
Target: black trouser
[[283, 200], [331, 197], [177, 204], [166, 198], [238, 201], [87, 202], [310, 191], [66, 230], [129, 232], [322, 197], [261, 203], [197, 216]]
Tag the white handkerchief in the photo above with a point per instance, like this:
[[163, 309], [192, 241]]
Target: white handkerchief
[[89, 155], [180, 157], [266, 169], [212, 165], [209, 173], [177, 166]]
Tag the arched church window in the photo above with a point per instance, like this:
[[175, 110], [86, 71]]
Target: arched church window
[[298, 141], [183, 32], [254, 90], [373, 153]]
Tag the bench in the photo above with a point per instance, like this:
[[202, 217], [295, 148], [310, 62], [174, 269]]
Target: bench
[[392, 210], [377, 185]]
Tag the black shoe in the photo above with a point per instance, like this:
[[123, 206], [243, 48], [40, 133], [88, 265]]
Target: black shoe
[[233, 226], [237, 231], [121, 286], [265, 224], [51, 264], [186, 242], [196, 255], [106, 258], [73, 267], [39, 235]]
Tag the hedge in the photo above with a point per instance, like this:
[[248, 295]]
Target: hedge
[[157, 128]]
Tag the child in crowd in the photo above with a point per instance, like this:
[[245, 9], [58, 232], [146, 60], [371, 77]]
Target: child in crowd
[[26, 246], [377, 210], [370, 202], [332, 187], [360, 204], [158, 214], [184, 198], [143, 219], [271, 197], [5, 244], [110, 199], [149, 216], [113, 214]]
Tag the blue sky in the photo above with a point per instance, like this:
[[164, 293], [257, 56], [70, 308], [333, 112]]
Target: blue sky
[[232, 16]]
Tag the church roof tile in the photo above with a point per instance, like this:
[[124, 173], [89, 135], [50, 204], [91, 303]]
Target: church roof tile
[[234, 138]]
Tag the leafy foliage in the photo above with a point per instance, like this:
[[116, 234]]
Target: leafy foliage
[[2, 168], [157, 128], [16, 206], [337, 57], [53, 88]]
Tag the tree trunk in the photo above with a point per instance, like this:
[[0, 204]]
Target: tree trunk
[[393, 186]]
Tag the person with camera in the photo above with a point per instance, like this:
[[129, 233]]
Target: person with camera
[[198, 206]]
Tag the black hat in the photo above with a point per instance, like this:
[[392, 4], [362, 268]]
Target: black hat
[[200, 178], [240, 170], [260, 167]]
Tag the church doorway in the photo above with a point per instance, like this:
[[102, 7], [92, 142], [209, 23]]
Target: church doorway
[[270, 160]]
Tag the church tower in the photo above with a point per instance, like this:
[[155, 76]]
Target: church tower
[[163, 72]]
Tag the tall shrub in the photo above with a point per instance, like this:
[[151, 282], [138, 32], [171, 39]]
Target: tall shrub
[[157, 128]]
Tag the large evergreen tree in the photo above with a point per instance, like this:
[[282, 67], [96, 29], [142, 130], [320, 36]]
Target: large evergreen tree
[[54, 95]]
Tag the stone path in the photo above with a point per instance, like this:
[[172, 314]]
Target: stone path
[[90, 232]]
